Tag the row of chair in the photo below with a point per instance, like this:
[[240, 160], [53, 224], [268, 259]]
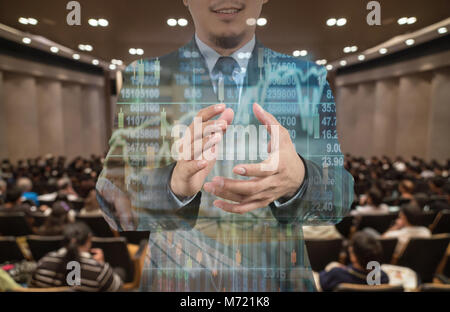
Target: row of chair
[[116, 250], [437, 222], [423, 255]]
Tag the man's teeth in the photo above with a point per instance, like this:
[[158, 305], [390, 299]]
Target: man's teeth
[[228, 11]]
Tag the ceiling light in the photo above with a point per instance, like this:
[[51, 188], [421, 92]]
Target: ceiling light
[[93, 22], [412, 20], [361, 57], [329, 67], [26, 40], [383, 51], [442, 30], [182, 22], [341, 22], [172, 22], [139, 51], [132, 51], [296, 53], [88, 47], [95, 62], [103, 22], [343, 63], [321, 62], [117, 62], [81, 47], [112, 67], [32, 21], [354, 48], [347, 49], [402, 20], [76, 56], [261, 21], [331, 22], [303, 53], [410, 42], [23, 20], [251, 21], [54, 49]]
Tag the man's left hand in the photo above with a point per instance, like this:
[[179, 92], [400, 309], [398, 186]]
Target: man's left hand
[[268, 183]]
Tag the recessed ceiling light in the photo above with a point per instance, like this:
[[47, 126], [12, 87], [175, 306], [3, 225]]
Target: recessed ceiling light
[[23, 20], [26, 40], [112, 66], [132, 51], [95, 62], [321, 62], [412, 20], [410, 42], [182, 22], [383, 51], [251, 21], [117, 62], [341, 22], [103, 22], [303, 53], [442, 30], [81, 47], [32, 21], [139, 51], [343, 63], [93, 22], [354, 48], [331, 22], [347, 49], [361, 57], [88, 47], [54, 49], [172, 22], [76, 56], [329, 67], [296, 53], [402, 20], [261, 21]]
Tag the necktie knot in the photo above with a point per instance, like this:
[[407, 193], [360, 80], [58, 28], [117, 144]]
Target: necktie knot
[[227, 66]]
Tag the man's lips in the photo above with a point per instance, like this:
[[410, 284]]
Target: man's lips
[[227, 12]]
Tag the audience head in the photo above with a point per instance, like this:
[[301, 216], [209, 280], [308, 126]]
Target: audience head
[[375, 197], [364, 248], [13, 195], [436, 184], [64, 183], [406, 187], [409, 215], [3, 186], [91, 203], [57, 220], [24, 184]]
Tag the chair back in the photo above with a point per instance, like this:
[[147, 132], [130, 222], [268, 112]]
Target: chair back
[[388, 245], [9, 249], [38, 219], [97, 224], [135, 237], [442, 223], [116, 254], [423, 255], [14, 224], [346, 287], [323, 251], [380, 223], [344, 226], [41, 245], [434, 288], [427, 218]]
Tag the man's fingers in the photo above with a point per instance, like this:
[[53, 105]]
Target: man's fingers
[[241, 187], [209, 112], [191, 167], [204, 144], [264, 117], [240, 208], [253, 170]]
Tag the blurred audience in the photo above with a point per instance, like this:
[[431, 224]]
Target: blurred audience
[[95, 274], [57, 220], [91, 206], [363, 248]]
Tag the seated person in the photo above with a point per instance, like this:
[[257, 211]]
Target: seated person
[[95, 275], [320, 232], [406, 189], [407, 226], [91, 206], [26, 186], [3, 187], [363, 249], [373, 204], [64, 186], [56, 221], [13, 202]]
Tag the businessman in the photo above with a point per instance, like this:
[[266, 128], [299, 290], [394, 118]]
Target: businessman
[[223, 150]]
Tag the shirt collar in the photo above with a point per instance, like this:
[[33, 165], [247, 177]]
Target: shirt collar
[[242, 56]]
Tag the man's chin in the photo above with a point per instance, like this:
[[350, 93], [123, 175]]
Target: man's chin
[[228, 41]]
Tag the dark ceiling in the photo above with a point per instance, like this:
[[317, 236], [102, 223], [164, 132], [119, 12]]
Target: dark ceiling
[[292, 24]]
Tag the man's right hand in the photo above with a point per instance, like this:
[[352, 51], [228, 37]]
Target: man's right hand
[[189, 176]]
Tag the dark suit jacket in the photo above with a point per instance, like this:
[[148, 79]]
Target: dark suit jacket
[[261, 250]]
